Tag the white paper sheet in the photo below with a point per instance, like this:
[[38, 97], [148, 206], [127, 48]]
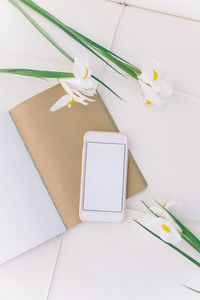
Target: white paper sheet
[[28, 216]]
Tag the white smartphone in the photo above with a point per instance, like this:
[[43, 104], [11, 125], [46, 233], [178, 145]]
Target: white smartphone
[[104, 173]]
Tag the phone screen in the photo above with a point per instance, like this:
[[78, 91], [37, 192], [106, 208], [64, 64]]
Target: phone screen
[[103, 181]]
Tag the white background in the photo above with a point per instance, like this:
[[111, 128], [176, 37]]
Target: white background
[[120, 260]]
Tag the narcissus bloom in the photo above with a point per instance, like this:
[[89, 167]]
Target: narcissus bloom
[[79, 87], [168, 231], [168, 204], [164, 224], [155, 82]]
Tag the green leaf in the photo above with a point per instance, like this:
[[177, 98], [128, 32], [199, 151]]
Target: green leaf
[[51, 40], [65, 28], [123, 66], [187, 235], [37, 73], [76, 36], [92, 43], [171, 245], [41, 30], [97, 79], [120, 62], [149, 208], [190, 288], [49, 74]]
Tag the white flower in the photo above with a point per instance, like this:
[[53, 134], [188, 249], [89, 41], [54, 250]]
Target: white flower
[[168, 204], [168, 231], [81, 67], [63, 101], [163, 224], [159, 211], [154, 82], [78, 87]]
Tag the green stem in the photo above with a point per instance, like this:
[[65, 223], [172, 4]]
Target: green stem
[[187, 234], [41, 30], [189, 241], [51, 40], [37, 73], [171, 245], [85, 42], [106, 86], [190, 288], [149, 209]]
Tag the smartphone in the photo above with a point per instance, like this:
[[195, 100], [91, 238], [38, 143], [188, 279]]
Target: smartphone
[[103, 178]]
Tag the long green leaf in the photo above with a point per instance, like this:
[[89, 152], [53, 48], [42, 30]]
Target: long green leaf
[[51, 40], [183, 235], [77, 33], [149, 208], [65, 28], [171, 245], [123, 66], [96, 45], [37, 73], [41, 30], [187, 235], [97, 79], [120, 62], [190, 288], [49, 74]]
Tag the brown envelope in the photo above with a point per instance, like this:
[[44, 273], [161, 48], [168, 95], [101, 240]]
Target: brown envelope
[[55, 142]]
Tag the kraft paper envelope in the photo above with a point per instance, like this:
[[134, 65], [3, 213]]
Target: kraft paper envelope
[[55, 140]]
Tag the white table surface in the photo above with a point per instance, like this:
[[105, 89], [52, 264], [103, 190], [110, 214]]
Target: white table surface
[[115, 261]]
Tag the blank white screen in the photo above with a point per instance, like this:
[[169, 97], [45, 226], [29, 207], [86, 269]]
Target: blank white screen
[[104, 177]]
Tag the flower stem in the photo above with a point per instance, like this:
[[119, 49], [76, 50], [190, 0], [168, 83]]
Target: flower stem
[[171, 245], [93, 47]]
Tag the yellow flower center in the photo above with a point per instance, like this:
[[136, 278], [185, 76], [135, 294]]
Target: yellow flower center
[[86, 74], [70, 102], [155, 75], [166, 228], [148, 102]]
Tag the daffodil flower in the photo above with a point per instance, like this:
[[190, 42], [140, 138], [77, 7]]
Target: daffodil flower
[[168, 231], [80, 87], [154, 82]]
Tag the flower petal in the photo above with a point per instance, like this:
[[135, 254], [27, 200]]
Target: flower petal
[[63, 101], [89, 93], [162, 87], [81, 68], [168, 204], [86, 86], [152, 221], [151, 70], [78, 97], [161, 212], [149, 94], [147, 74], [154, 75], [171, 235], [79, 86], [65, 86]]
